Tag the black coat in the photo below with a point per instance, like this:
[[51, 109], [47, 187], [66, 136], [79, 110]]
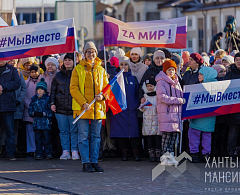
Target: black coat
[[233, 119], [152, 70], [10, 81], [111, 70], [190, 77], [215, 43], [60, 92]]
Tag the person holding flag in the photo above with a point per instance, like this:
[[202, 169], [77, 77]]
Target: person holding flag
[[88, 79]]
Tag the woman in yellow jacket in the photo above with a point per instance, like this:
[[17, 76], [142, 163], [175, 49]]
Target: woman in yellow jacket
[[87, 81]]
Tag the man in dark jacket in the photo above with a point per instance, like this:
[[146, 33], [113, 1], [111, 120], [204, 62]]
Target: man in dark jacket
[[233, 119], [111, 70], [9, 82], [215, 42]]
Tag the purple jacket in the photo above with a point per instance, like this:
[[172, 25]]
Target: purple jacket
[[31, 91], [169, 103], [48, 79]]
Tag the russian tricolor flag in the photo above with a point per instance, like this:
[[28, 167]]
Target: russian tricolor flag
[[115, 94], [14, 19], [3, 23]]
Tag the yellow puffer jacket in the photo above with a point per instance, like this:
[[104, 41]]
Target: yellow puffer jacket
[[86, 82]]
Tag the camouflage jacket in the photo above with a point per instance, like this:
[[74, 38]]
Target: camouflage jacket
[[41, 104]]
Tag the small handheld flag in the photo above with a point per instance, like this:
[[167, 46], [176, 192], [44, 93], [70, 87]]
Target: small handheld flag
[[115, 94], [146, 103]]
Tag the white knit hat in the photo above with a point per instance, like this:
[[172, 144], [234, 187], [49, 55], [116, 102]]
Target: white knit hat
[[53, 60], [119, 53], [159, 53], [206, 59], [25, 60], [229, 59], [136, 50], [124, 59]]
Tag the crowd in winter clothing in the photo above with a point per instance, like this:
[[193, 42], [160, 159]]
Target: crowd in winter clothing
[[39, 102]]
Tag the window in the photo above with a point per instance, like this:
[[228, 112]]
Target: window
[[189, 22], [120, 17], [214, 26], [153, 16], [189, 44], [200, 35], [138, 17], [129, 13]]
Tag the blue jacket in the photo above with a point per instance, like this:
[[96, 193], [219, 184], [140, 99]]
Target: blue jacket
[[20, 94], [206, 124], [41, 104], [125, 124]]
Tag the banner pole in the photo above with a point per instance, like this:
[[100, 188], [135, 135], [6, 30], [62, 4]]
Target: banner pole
[[179, 73], [105, 57]]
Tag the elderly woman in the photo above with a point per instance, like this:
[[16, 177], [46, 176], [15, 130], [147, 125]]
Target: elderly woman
[[61, 104], [51, 70], [88, 80]]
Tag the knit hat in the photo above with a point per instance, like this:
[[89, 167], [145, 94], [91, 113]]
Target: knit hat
[[101, 55], [197, 57], [158, 53], [25, 60], [33, 67], [148, 56], [61, 57], [167, 64], [233, 53], [119, 53], [52, 60], [206, 60], [229, 59], [236, 55], [185, 56], [69, 56], [111, 54], [136, 50], [42, 85], [176, 58], [114, 62], [89, 45], [124, 59], [150, 80], [219, 61], [219, 67]]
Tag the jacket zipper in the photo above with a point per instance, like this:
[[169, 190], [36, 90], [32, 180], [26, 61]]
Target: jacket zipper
[[94, 95]]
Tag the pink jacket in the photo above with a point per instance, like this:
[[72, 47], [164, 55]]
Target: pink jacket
[[169, 103], [31, 91], [48, 79]]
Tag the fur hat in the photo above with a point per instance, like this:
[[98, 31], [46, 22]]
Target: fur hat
[[119, 53], [52, 60], [167, 64], [25, 60]]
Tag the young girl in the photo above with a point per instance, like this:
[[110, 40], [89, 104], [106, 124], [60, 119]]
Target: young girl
[[150, 120], [202, 126], [124, 126], [169, 107], [31, 83]]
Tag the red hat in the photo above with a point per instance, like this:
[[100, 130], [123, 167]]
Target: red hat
[[114, 62], [197, 57], [167, 64]]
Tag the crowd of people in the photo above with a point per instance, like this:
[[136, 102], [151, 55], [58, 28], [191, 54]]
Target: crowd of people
[[39, 102]]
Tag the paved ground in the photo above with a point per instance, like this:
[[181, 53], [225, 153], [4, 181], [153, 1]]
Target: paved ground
[[27, 176]]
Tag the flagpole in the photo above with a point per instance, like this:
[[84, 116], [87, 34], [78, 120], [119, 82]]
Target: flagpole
[[94, 100], [105, 58]]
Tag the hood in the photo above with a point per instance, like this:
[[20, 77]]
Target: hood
[[209, 74], [23, 68], [163, 76], [84, 63], [144, 87]]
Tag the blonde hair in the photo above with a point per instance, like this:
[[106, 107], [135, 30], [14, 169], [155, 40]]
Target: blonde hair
[[220, 54]]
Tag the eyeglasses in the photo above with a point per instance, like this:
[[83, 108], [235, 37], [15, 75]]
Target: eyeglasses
[[90, 52]]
